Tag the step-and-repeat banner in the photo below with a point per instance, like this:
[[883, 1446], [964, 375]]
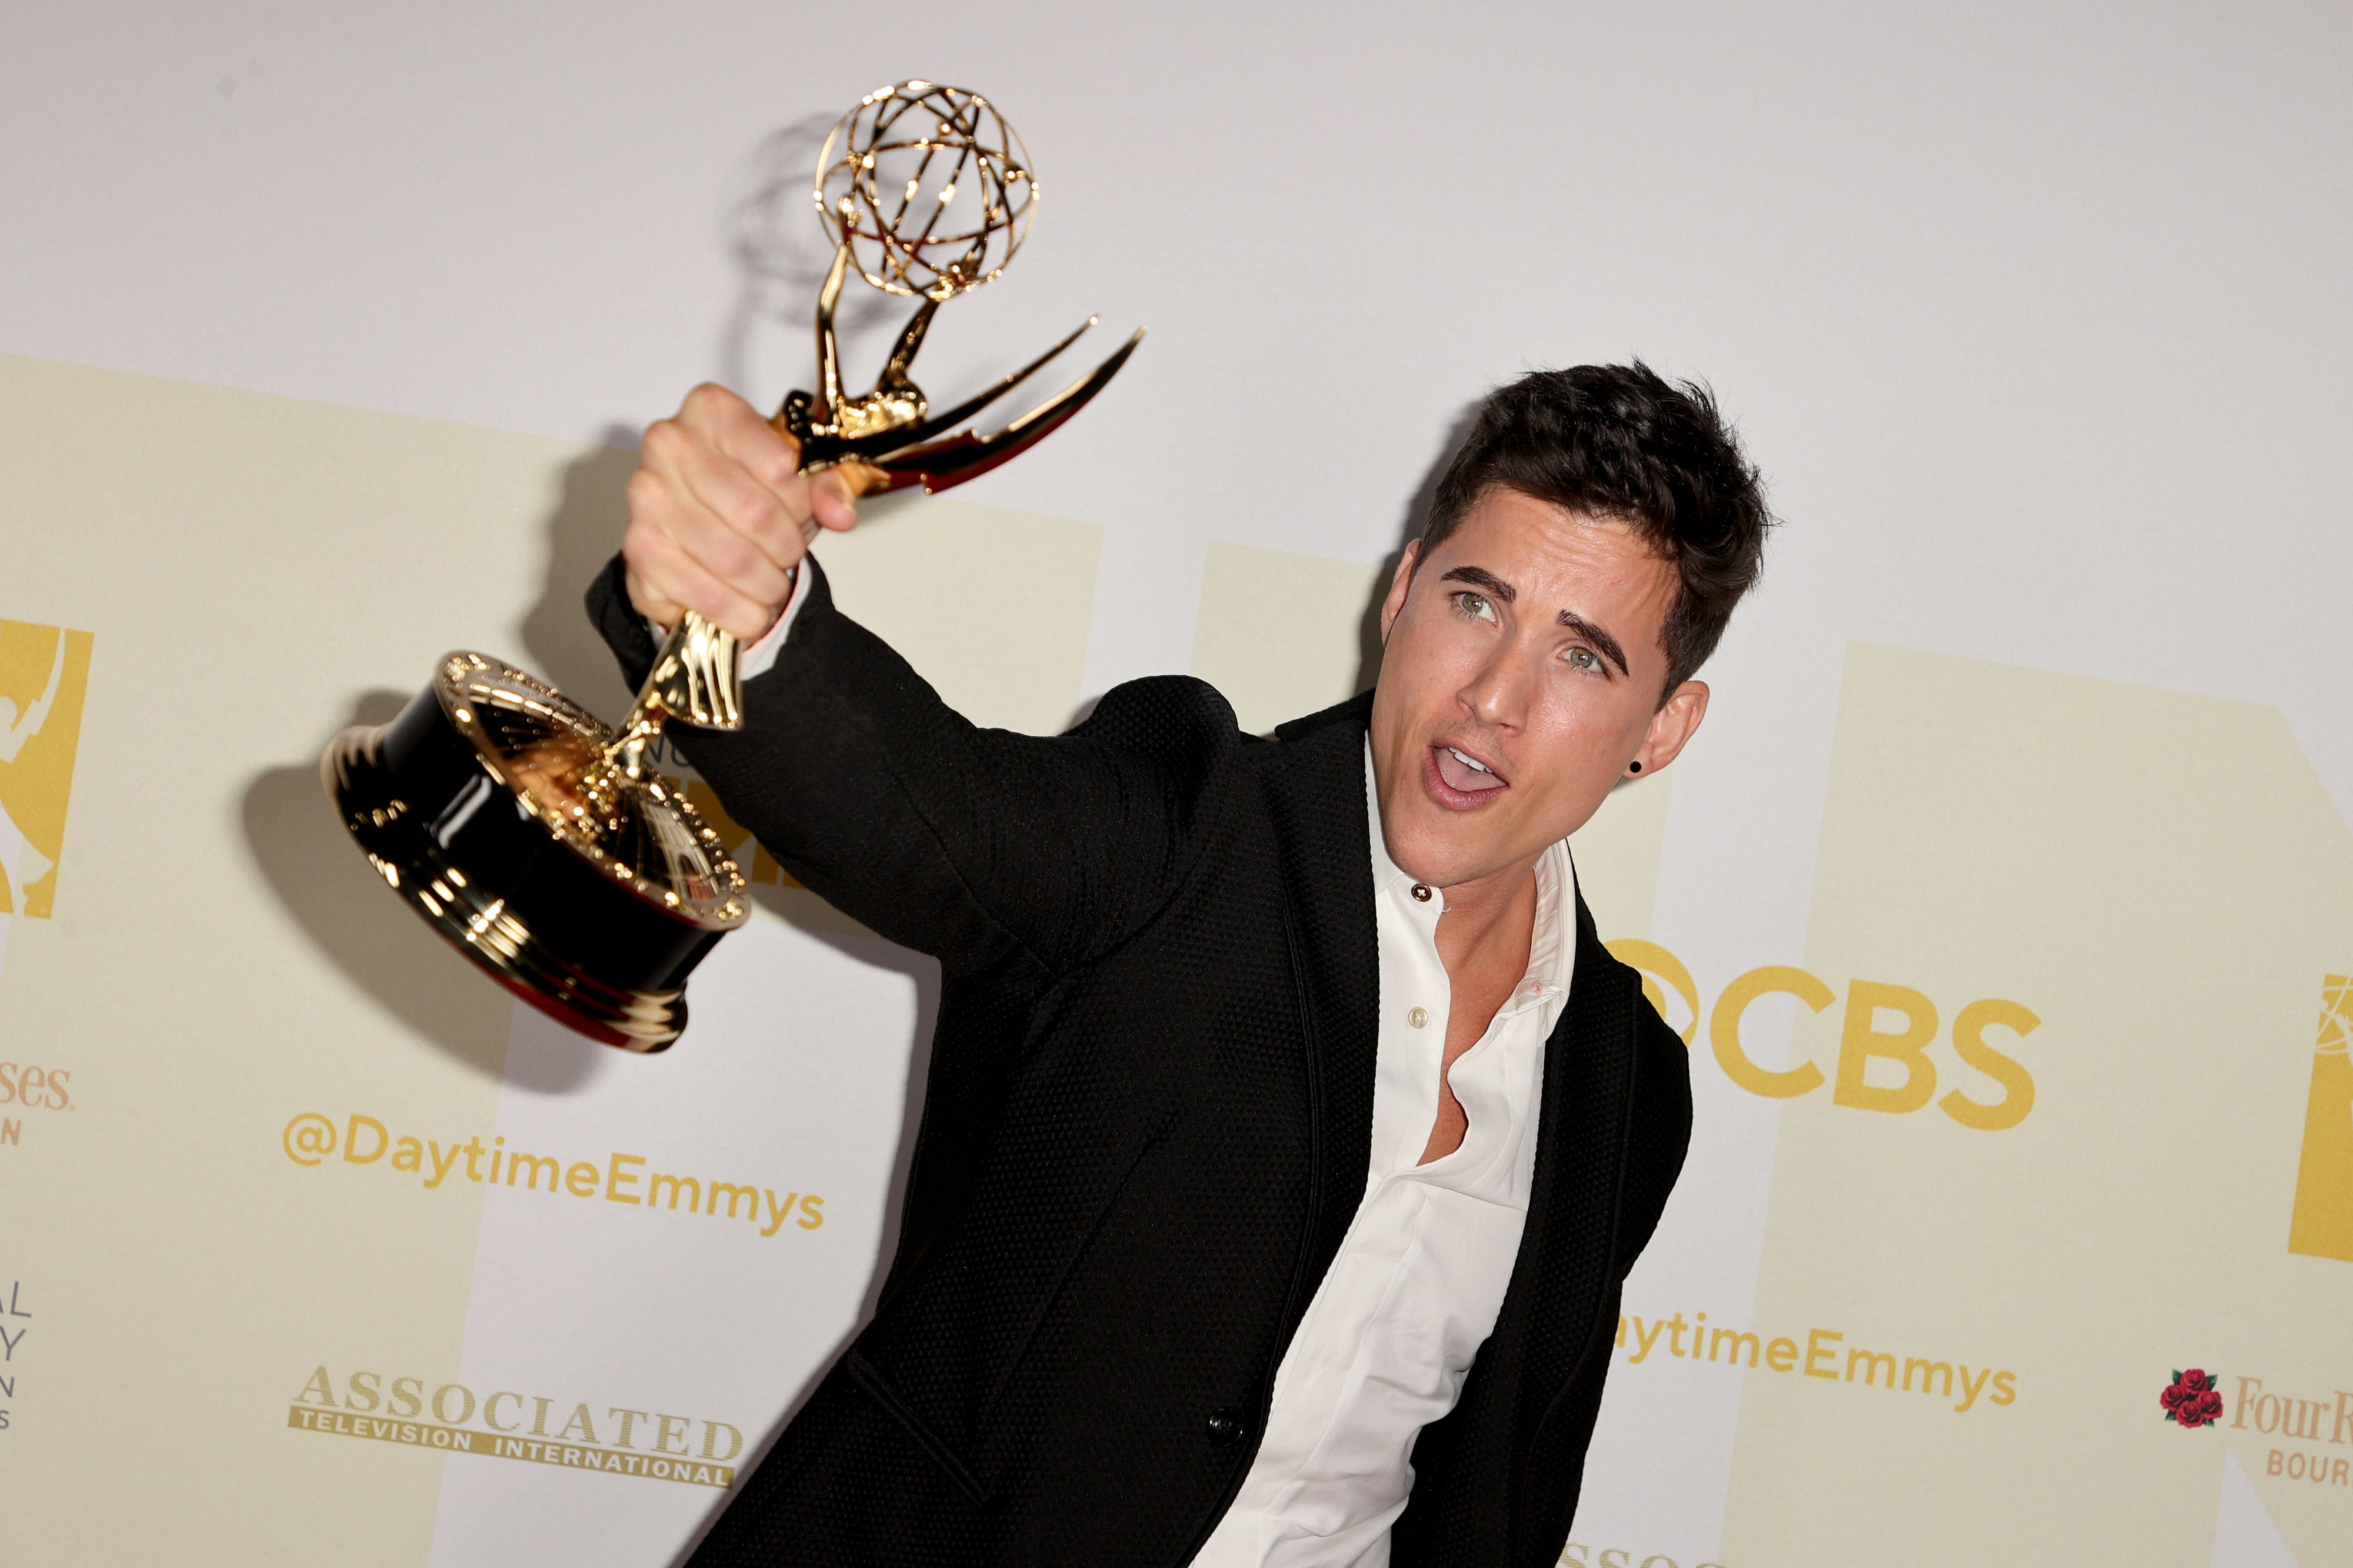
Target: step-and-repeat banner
[[2004, 905], [2055, 1232]]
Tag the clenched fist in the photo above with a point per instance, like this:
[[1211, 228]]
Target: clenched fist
[[720, 515]]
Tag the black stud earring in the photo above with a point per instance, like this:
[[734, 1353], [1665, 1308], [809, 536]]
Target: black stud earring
[[1634, 767]]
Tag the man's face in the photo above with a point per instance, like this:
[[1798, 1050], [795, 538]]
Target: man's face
[[1521, 673]]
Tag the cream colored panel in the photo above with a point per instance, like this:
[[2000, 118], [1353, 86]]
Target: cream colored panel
[[251, 573], [1618, 860], [1283, 635], [212, 985], [2127, 905]]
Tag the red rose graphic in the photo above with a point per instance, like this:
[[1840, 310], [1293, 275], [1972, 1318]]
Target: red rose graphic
[[2191, 1399]]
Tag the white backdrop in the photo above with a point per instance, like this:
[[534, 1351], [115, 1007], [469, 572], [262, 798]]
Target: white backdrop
[[2035, 317]]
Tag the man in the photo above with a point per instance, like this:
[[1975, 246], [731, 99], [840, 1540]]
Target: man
[[1289, 1133]]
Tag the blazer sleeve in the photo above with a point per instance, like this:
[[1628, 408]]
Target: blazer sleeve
[[980, 846]]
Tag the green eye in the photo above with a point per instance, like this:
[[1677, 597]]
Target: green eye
[[1583, 658]]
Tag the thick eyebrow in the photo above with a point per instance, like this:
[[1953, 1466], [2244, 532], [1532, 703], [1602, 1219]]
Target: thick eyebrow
[[1479, 577], [1598, 637]]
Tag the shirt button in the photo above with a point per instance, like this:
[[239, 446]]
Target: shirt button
[[1224, 1426], [1418, 1017], [1422, 892]]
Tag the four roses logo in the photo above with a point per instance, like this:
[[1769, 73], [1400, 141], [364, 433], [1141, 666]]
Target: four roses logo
[[2192, 1399]]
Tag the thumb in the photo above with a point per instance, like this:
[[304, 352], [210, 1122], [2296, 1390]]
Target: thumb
[[833, 494]]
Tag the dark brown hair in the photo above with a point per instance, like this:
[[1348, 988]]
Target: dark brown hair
[[1616, 441]]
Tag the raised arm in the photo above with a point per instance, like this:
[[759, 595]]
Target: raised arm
[[981, 846]]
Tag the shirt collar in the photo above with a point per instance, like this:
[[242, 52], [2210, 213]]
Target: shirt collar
[[1552, 954]]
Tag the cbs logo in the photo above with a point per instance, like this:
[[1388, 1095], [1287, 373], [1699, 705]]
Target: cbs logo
[[1889, 1027]]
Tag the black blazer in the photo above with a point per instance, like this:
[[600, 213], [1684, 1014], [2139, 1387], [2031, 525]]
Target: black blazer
[[1146, 1127]]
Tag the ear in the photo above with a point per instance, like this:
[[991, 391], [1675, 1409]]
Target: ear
[[1400, 583], [1676, 722]]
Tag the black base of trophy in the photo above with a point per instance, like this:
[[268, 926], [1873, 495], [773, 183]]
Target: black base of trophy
[[487, 808]]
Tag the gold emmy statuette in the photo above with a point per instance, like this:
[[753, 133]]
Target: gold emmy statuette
[[541, 843]]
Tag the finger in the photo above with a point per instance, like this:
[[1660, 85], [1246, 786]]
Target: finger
[[729, 556], [833, 494], [642, 542], [648, 552], [734, 426], [832, 502], [709, 540], [665, 526], [703, 479], [769, 455], [676, 577]]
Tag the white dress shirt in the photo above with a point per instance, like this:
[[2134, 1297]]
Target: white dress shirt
[[1414, 1290], [759, 656]]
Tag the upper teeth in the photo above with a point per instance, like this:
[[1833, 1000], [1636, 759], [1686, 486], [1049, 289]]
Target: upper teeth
[[1471, 761]]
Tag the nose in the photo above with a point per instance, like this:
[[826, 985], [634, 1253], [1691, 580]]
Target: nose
[[1496, 694]]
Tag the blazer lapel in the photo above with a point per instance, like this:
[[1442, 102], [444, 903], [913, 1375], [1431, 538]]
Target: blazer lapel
[[1566, 1266], [1315, 788]]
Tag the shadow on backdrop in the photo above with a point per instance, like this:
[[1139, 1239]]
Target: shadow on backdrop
[[319, 874], [347, 913], [781, 256], [321, 877], [583, 530], [1411, 520], [782, 253]]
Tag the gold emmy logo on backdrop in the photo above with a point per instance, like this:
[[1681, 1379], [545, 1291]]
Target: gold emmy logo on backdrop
[[2323, 1221], [44, 671], [541, 844]]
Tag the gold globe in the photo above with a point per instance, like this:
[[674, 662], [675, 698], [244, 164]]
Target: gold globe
[[928, 187]]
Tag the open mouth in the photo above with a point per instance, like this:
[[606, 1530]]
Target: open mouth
[[1462, 773]]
